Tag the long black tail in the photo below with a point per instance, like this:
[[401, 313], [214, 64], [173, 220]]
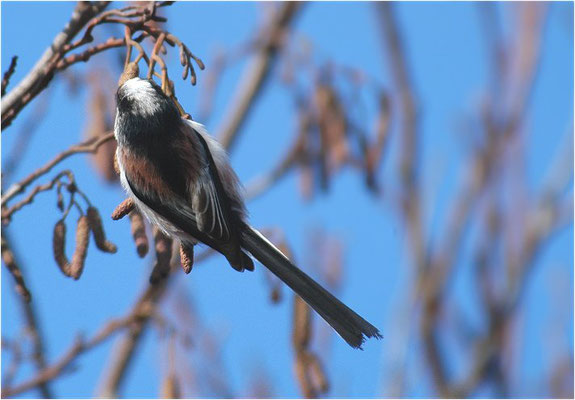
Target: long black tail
[[350, 326]]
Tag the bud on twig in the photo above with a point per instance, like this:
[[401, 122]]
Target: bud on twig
[[139, 233]]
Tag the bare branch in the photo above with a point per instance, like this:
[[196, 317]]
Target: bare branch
[[7, 213], [92, 51], [10, 262], [124, 351], [89, 146], [79, 347]]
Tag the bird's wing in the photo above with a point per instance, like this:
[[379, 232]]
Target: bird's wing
[[208, 207], [178, 213], [210, 202]]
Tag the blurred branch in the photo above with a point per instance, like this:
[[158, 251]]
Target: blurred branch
[[274, 37], [561, 380], [10, 263], [213, 76], [485, 163], [124, 351], [31, 321], [309, 371], [410, 196], [409, 126], [65, 362], [544, 220], [288, 161], [16, 359], [495, 45]]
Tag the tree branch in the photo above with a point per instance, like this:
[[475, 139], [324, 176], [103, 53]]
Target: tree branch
[[31, 321], [89, 146], [79, 347], [42, 72]]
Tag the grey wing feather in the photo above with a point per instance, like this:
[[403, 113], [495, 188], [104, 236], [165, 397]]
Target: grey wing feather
[[206, 205]]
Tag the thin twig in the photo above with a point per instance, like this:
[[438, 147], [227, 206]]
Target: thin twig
[[79, 347], [111, 43], [124, 351], [89, 146], [7, 213], [32, 325], [8, 74]]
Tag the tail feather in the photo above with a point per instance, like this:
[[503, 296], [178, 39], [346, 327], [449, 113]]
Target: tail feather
[[348, 324]]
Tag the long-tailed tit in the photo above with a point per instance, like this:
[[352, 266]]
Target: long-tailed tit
[[181, 179]]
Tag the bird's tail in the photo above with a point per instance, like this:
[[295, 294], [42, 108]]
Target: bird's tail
[[348, 324]]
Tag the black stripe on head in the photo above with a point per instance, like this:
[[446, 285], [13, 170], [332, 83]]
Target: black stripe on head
[[147, 117]]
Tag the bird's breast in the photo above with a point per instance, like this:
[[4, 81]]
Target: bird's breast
[[143, 173], [169, 167]]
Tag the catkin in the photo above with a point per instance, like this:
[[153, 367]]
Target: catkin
[[81, 250], [187, 258], [183, 60], [59, 245], [95, 222], [163, 245], [123, 209], [139, 233]]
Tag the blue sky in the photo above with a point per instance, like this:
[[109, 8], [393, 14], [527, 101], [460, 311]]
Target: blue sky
[[448, 61]]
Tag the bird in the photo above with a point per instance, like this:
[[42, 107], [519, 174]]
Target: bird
[[181, 179]]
